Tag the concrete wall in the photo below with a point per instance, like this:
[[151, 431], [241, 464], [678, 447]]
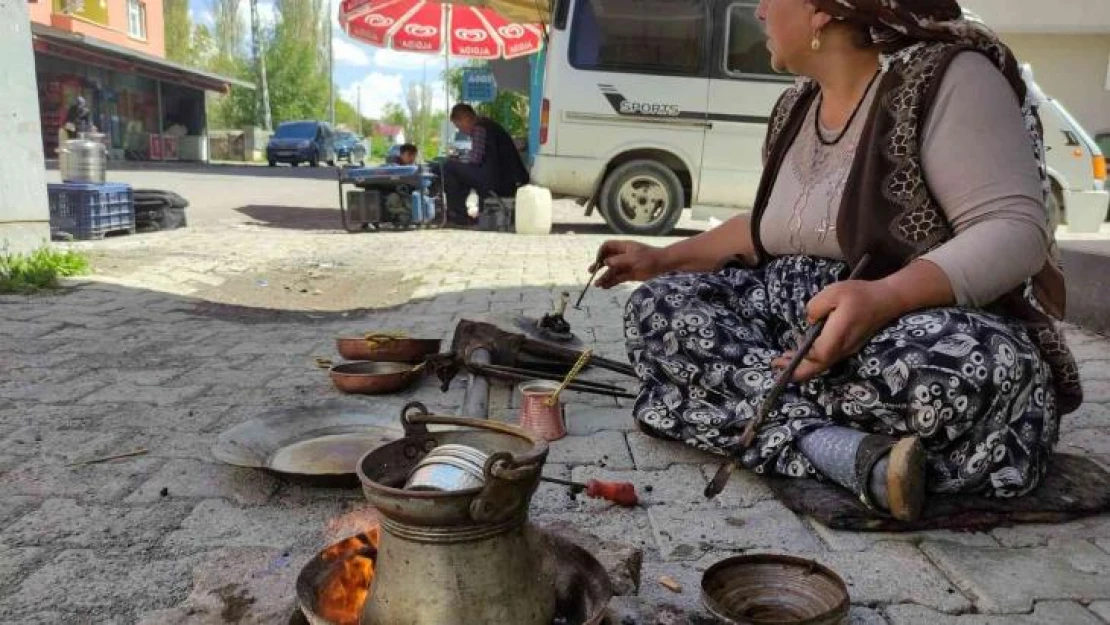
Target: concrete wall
[[24, 212], [1041, 16], [1072, 68]]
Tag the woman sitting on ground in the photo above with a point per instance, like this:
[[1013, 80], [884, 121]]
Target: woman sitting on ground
[[909, 138]]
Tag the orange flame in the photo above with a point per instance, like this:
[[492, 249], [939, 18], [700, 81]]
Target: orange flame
[[346, 588]]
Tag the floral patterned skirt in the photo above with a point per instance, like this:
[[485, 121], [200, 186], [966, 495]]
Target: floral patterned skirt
[[970, 384]]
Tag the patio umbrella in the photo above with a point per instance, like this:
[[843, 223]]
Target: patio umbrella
[[421, 25]]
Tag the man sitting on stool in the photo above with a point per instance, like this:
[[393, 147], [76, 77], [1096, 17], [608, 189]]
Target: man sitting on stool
[[492, 165]]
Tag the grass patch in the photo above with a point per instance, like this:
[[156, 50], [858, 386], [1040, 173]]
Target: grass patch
[[27, 273]]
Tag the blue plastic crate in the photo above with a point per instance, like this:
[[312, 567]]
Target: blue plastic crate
[[89, 211]]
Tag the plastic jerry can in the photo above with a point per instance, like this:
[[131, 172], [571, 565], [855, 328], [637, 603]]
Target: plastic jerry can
[[423, 208], [533, 210]]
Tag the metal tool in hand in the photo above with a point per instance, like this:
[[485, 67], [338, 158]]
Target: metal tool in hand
[[598, 266], [720, 479]]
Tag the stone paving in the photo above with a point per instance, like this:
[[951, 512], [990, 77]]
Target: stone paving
[[173, 536]]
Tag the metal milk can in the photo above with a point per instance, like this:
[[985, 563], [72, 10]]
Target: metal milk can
[[457, 557], [83, 160]]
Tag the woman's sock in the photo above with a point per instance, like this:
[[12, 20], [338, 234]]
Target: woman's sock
[[832, 451]]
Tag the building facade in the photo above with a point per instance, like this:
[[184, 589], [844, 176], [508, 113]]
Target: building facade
[[1068, 45], [112, 53]]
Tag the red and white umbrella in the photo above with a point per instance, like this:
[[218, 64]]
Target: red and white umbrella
[[419, 26]]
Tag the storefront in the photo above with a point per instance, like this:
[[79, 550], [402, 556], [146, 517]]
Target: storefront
[[148, 108]]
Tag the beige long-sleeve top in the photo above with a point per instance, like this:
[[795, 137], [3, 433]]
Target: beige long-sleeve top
[[977, 159]]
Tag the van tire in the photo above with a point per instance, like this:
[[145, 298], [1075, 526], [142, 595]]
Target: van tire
[[1055, 206], [655, 178]]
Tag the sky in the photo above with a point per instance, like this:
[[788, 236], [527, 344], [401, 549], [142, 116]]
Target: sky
[[382, 74]]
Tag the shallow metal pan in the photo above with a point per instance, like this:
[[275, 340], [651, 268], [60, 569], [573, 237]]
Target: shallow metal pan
[[322, 442]]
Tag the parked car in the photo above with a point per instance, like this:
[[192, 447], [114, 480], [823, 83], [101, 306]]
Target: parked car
[[350, 147], [302, 142]]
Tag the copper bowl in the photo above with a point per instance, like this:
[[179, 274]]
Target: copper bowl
[[373, 378], [768, 589], [386, 348]]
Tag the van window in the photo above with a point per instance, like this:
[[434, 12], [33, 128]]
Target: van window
[[746, 53], [642, 36]]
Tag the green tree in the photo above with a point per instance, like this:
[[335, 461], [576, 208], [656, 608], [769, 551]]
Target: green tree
[[298, 82], [178, 32], [229, 58], [347, 116]]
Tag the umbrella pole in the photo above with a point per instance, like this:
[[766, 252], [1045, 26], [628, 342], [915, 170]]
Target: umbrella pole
[[444, 132]]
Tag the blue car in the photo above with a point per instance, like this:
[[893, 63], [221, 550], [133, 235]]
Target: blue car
[[350, 147], [302, 142]]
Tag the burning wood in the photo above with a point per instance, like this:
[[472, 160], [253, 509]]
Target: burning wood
[[347, 587]]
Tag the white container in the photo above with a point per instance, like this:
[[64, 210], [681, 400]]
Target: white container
[[533, 210]]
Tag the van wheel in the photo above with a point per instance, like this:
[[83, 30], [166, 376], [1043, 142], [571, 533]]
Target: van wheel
[[1055, 206], [642, 197]]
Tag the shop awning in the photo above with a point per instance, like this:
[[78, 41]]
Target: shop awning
[[77, 47]]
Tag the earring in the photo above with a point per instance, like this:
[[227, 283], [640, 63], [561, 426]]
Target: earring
[[815, 43]]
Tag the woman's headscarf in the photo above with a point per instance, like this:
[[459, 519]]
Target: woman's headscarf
[[892, 21]]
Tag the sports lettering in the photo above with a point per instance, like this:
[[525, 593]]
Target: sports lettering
[[647, 108]]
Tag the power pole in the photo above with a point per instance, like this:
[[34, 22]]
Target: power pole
[[331, 70], [358, 108], [259, 49]]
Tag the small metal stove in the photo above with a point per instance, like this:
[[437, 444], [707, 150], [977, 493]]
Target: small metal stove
[[468, 557]]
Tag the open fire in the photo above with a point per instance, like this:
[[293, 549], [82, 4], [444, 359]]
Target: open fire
[[347, 586]]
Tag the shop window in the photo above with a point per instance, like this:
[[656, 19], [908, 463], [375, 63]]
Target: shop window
[[136, 19], [643, 36], [746, 53]]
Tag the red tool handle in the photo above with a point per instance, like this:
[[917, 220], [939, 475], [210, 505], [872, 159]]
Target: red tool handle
[[620, 493]]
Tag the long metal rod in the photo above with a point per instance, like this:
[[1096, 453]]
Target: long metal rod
[[476, 401], [573, 386], [543, 375], [541, 348]]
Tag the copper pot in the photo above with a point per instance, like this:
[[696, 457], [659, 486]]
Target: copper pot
[[385, 348], [373, 378]]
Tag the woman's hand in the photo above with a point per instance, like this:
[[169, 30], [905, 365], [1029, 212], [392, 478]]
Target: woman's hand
[[627, 261], [856, 311]]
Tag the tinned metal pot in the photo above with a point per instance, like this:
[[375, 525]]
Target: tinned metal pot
[[458, 557], [449, 468]]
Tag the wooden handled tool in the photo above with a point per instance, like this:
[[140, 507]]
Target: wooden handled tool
[[620, 493], [720, 479]]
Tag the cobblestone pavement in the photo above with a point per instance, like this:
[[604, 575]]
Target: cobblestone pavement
[[174, 537]]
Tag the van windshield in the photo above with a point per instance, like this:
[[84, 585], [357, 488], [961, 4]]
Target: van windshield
[[298, 130]]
